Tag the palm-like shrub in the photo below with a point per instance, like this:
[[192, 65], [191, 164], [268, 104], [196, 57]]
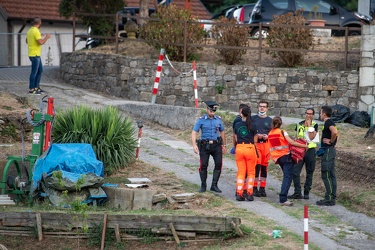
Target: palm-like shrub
[[111, 136]]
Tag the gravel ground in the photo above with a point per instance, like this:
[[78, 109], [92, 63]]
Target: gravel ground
[[162, 150]]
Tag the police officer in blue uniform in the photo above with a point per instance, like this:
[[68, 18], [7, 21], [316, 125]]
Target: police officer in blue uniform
[[212, 142]]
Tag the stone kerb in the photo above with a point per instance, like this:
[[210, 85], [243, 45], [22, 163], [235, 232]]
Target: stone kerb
[[289, 91], [175, 117]]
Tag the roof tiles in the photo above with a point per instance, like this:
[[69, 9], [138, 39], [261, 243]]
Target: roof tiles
[[48, 9]]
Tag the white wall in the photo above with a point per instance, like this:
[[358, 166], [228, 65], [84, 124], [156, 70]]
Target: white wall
[[60, 34], [364, 7]]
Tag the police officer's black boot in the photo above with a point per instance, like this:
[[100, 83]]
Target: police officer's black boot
[[203, 175], [215, 180]]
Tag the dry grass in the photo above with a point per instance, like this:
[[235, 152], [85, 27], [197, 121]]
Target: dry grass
[[328, 61]]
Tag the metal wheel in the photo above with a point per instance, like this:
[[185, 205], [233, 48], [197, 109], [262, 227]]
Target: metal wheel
[[255, 33]]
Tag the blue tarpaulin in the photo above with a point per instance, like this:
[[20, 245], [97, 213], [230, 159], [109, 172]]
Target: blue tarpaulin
[[72, 159]]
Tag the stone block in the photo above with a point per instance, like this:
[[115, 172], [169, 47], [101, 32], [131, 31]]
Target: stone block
[[119, 198], [143, 199], [158, 198]]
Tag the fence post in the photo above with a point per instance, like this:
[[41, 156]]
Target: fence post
[[74, 32], [157, 76], [117, 23], [346, 47], [185, 40], [260, 44]]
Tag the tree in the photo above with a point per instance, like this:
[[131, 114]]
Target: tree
[[348, 4], [99, 25]]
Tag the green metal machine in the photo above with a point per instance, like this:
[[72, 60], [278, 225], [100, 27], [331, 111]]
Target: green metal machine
[[17, 174]]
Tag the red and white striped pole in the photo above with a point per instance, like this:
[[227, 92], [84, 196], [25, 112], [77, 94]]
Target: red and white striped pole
[[195, 83], [306, 228], [157, 77]]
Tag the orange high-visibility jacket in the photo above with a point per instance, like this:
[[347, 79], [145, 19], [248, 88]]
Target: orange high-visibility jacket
[[279, 146]]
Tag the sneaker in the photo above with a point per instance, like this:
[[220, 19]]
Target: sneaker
[[239, 197], [249, 197], [41, 90], [286, 204], [326, 203], [295, 196], [306, 196], [34, 92]]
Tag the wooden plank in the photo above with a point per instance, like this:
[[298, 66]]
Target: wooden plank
[[237, 229], [174, 233], [104, 229], [117, 233], [68, 221], [39, 226], [169, 232]]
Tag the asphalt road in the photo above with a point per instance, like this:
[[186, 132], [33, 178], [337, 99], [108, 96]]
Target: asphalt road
[[167, 153]]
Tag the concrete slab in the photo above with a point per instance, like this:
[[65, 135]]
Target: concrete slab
[[138, 180], [136, 185], [120, 198], [143, 199], [183, 197], [5, 200]]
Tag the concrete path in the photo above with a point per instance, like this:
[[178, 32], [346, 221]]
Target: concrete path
[[167, 153]]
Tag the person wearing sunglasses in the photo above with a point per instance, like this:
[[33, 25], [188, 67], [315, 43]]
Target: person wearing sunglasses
[[212, 143], [308, 130], [262, 123]]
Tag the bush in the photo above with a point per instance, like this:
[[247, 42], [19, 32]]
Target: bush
[[285, 37], [230, 34], [111, 136], [168, 31]]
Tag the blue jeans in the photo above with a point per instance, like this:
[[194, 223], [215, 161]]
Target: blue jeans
[[36, 72], [286, 165]]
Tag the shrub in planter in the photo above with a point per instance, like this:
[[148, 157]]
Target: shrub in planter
[[229, 33], [287, 37], [167, 28]]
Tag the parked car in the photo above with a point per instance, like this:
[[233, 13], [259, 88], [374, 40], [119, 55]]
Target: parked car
[[224, 12], [243, 13], [240, 12], [335, 15]]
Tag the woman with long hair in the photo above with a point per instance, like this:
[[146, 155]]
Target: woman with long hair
[[279, 150], [246, 156]]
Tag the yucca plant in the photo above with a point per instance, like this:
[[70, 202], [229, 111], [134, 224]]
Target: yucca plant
[[111, 136]]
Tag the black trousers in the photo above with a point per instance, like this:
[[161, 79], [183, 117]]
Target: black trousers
[[309, 160], [328, 173], [207, 150]]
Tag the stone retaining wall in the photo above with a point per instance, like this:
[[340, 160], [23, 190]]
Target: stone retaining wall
[[289, 91]]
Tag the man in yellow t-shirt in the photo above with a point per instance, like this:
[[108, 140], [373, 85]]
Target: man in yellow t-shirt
[[35, 41]]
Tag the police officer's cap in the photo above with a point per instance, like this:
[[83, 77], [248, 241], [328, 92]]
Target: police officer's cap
[[211, 104]]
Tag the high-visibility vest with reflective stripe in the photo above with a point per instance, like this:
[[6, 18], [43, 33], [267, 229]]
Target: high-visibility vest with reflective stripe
[[301, 133], [279, 146]]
